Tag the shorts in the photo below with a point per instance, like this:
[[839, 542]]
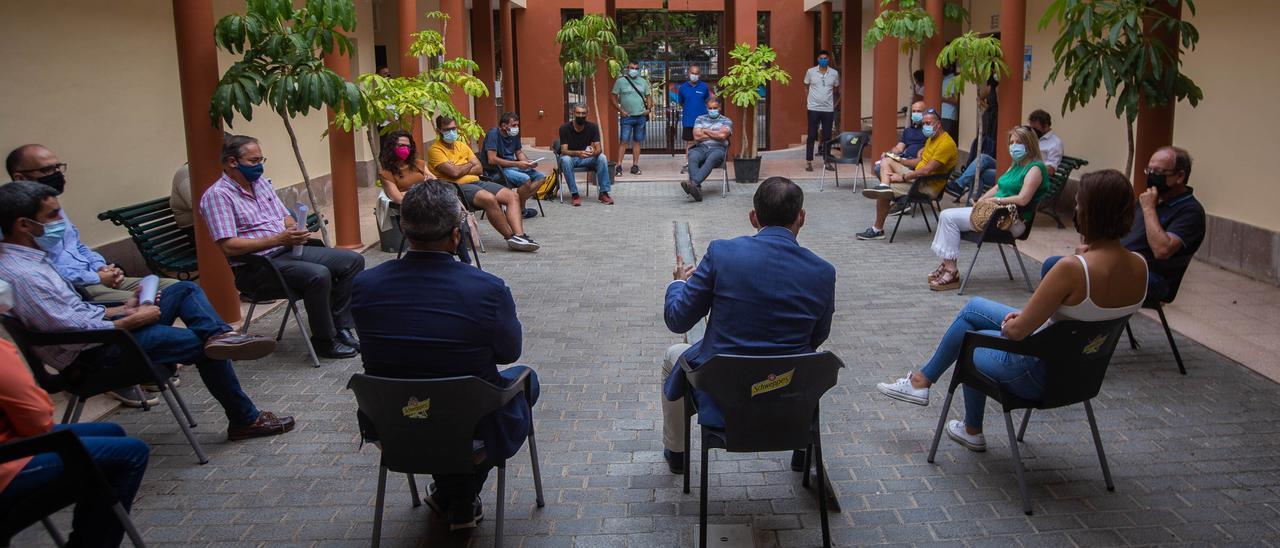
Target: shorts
[[687, 133], [632, 128], [470, 190]]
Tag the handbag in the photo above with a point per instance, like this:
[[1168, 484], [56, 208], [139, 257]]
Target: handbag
[[982, 212], [637, 90]]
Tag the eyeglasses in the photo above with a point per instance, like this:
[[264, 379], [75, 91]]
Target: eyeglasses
[[1150, 172], [46, 170], [253, 161]]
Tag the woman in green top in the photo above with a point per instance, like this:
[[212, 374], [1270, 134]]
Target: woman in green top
[[1020, 186]]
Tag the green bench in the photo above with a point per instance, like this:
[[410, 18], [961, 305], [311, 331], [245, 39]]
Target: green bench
[[167, 248], [1057, 182]]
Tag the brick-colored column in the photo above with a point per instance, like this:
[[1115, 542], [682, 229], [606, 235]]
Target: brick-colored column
[[508, 57], [851, 68], [197, 77], [407, 24], [1154, 128], [605, 115], [884, 94], [826, 26], [482, 51], [342, 166], [742, 29], [929, 52], [1013, 31], [455, 45]]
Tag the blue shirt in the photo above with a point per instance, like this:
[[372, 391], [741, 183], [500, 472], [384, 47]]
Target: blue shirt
[[44, 301], [693, 98], [505, 145], [74, 260], [914, 138]]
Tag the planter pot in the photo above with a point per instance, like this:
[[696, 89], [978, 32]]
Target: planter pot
[[746, 170]]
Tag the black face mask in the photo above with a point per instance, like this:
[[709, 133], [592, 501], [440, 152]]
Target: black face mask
[[1158, 181], [580, 120], [1039, 132], [54, 180]]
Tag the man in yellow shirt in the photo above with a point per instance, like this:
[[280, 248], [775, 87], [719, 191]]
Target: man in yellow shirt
[[937, 158], [453, 160]]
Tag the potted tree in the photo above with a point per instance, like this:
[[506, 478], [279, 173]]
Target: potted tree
[[584, 43], [1102, 45], [282, 64], [752, 70], [977, 59]]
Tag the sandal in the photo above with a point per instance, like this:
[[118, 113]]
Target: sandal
[[937, 272], [950, 279]]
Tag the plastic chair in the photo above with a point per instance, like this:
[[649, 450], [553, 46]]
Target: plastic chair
[[993, 235], [81, 480], [440, 438], [265, 292], [851, 145], [393, 213], [134, 367], [590, 178], [917, 196], [1075, 355], [770, 403], [499, 176], [1158, 305]]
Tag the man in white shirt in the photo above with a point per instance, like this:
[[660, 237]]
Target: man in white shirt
[[824, 99], [1050, 144]]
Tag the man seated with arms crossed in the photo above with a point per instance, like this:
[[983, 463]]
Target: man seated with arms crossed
[[1050, 152], [454, 161], [45, 302], [762, 295], [580, 147], [92, 275], [464, 325], [1168, 226], [245, 216], [711, 132], [503, 150], [937, 158]]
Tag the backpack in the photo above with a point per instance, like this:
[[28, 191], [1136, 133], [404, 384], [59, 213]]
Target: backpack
[[549, 187]]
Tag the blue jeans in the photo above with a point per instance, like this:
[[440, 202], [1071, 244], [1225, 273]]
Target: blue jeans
[[632, 129], [1157, 286], [702, 159], [519, 177], [169, 345], [122, 459], [966, 179], [1022, 376], [599, 163]]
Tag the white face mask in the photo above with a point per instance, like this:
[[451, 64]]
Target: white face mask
[[513, 131], [694, 77], [6, 296]]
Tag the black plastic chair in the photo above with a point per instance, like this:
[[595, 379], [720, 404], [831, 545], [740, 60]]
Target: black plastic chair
[[492, 173], [1158, 305], [993, 235], [590, 178], [770, 403], [465, 249], [916, 195], [134, 367], [851, 145], [439, 437], [81, 481], [1075, 355], [263, 292]]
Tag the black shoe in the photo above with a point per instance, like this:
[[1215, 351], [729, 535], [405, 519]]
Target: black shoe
[[436, 503], [617, 170], [347, 337], [797, 461], [465, 516], [675, 461], [333, 348], [530, 213]]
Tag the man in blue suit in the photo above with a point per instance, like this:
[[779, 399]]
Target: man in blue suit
[[763, 295], [458, 321]]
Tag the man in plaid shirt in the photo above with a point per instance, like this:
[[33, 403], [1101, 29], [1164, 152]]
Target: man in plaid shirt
[[245, 216]]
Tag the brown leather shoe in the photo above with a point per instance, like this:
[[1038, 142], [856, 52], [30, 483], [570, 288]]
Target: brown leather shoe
[[234, 345], [268, 424]]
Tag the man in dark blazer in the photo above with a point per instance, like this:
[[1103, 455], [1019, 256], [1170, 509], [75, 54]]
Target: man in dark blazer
[[763, 295], [430, 315]]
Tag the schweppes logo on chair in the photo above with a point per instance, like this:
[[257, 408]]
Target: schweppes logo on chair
[[772, 382]]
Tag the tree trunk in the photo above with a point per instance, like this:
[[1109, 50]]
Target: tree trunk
[[306, 180], [977, 170], [1128, 165], [595, 107]]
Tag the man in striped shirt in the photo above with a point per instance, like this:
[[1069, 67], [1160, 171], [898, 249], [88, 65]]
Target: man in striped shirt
[[245, 216], [45, 302]]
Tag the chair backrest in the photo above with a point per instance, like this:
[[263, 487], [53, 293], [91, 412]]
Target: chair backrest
[[768, 401], [555, 151], [1076, 356], [162, 243], [852, 144], [427, 426], [79, 479], [132, 365]]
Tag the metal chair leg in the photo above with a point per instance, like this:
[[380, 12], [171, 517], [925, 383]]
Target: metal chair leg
[[71, 409], [965, 280], [1022, 430], [822, 177], [822, 490], [808, 465], [502, 496], [377, 508], [306, 337], [537, 472], [248, 318], [1097, 443], [1172, 345], [942, 423], [284, 322], [702, 497], [1133, 343], [186, 430], [925, 216], [1005, 260], [688, 447], [127, 524], [182, 404], [58, 539], [400, 251], [413, 491], [895, 227], [1017, 464], [1025, 277], [75, 416]]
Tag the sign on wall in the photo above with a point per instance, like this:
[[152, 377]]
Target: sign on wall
[[1026, 63]]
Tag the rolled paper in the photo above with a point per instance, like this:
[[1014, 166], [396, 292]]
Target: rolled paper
[[147, 289]]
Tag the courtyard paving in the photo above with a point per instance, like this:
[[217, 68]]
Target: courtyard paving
[[1196, 459]]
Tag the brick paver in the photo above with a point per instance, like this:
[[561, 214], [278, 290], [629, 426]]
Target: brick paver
[[1196, 459]]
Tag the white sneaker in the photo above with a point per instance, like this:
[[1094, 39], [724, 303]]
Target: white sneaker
[[902, 390], [972, 442], [522, 243]]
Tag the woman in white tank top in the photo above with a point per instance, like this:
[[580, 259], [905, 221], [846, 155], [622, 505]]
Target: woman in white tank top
[[1104, 283]]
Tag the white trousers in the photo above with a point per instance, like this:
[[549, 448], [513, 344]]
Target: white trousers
[[946, 241], [673, 423]]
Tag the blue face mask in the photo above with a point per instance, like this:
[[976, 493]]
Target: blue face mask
[[52, 236], [824, 62], [713, 112], [928, 131], [917, 117], [251, 173], [633, 73], [1017, 151], [450, 135]]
